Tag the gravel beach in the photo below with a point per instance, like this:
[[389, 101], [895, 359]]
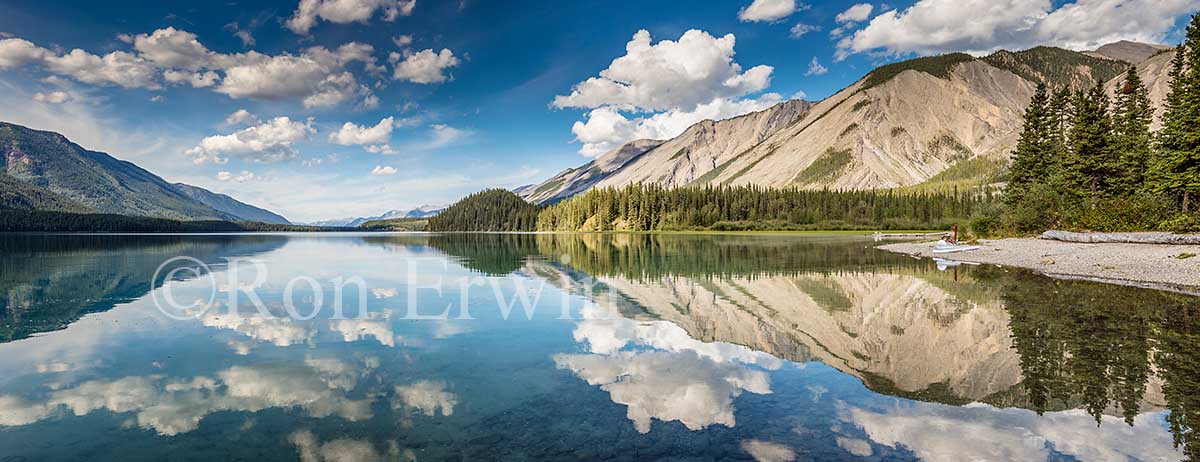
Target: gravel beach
[[1146, 265]]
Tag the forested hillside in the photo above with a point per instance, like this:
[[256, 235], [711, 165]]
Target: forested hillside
[[651, 207], [489, 210], [17, 194]]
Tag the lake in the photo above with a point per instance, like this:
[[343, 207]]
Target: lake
[[332, 347]]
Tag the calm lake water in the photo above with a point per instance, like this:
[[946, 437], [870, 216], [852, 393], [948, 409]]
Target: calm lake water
[[576, 347]]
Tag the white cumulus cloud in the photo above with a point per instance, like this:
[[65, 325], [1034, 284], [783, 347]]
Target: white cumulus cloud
[[242, 117], [857, 13], [345, 11], [269, 142], [383, 170], [195, 79], [669, 75], [981, 26], [15, 52], [173, 48], [424, 66], [117, 68], [352, 134], [769, 10], [316, 76]]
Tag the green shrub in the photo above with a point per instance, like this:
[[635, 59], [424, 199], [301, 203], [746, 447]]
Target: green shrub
[[1041, 208], [986, 222], [1121, 214], [1180, 223]]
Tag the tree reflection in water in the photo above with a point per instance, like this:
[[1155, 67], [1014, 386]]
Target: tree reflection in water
[[1098, 346]]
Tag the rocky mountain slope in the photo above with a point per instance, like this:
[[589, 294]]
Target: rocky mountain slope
[[675, 162], [927, 120], [225, 204]]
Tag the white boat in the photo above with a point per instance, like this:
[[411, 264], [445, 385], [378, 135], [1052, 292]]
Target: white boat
[[946, 247]]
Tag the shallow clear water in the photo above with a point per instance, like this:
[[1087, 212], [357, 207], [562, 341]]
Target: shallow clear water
[[630, 347]]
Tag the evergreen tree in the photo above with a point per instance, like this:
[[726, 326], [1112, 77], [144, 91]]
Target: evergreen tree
[[1089, 164], [1061, 114], [1131, 125], [1031, 157], [1176, 169]]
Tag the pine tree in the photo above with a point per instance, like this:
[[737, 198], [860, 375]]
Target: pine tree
[[1089, 164], [1131, 126], [1176, 169], [1061, 115], [1030, 159]]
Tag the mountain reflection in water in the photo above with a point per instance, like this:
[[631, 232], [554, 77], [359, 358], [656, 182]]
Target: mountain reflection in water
[[721, 347]]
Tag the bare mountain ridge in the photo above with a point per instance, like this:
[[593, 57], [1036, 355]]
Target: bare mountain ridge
[[1130, 52], [901, 125]]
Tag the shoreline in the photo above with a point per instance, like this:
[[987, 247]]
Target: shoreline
[[1152, 266]]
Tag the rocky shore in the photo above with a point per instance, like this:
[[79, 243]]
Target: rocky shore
[[1169, 267]]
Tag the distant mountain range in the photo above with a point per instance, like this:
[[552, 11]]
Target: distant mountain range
[[43, 170], [424, 211], [934, 122]]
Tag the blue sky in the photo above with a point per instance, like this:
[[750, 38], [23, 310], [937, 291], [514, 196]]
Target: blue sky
[[444, 98]]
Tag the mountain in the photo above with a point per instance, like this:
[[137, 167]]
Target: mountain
[[1130, 52], [49, 162], [228, 205], [424, 211], [676, 162], [941, 120]]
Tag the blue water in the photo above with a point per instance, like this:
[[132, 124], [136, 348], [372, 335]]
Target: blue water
[[767, 348]]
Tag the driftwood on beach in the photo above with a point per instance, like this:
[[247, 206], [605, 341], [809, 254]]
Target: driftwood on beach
[[1123, 238]]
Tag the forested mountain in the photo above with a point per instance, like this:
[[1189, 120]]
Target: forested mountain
[[94, 179], [45, 171], [943, 121], [223, 203]]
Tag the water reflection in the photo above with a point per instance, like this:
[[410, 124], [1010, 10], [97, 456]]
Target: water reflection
[[49, 281], [685, 347], [988, 336]]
